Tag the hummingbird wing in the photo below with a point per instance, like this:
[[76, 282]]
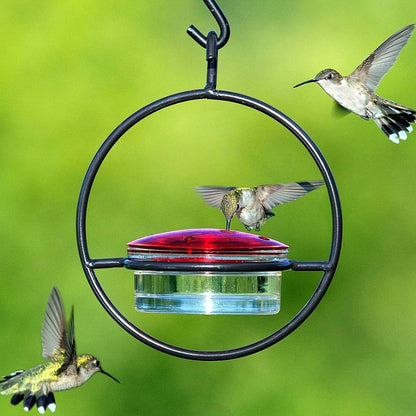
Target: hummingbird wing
[[272, 195], [213, 195], [54, 327], [58, 340], [375, 66], [70, 352]]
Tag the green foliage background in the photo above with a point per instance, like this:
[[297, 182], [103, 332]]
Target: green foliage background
[[71, 71]]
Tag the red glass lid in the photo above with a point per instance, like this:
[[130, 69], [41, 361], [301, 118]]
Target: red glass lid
[[207, 245]]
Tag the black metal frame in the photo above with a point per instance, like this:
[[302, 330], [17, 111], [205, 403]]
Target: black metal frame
[[212, 43]]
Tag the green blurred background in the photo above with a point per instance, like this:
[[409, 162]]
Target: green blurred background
[[71, 71]]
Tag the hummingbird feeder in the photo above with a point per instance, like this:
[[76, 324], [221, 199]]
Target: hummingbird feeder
[[208, 271], [199, 271]]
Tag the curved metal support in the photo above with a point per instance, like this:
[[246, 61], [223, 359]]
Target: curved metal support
[[222, 23], [327, 267]]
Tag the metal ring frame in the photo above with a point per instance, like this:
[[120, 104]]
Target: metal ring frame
[[209, 92]]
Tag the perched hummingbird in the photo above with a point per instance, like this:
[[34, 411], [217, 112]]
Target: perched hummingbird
[[65, 371], [356, 91], [253, 205]]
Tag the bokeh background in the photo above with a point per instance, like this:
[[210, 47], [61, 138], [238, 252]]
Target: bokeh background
[[71, 71]]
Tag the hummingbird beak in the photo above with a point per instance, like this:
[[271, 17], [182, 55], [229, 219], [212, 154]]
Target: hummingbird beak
[[228, 223], [305, 82], [109, 375]]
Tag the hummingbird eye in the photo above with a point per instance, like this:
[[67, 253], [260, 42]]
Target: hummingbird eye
[[96, 363], [330, 76]]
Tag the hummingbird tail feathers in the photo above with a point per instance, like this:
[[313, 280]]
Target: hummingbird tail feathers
[[44, 398], [43, 401], [395, 121]]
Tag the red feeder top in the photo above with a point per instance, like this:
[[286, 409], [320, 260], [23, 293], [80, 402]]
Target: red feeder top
[[206, 245]]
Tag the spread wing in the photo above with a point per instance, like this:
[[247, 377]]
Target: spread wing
[[375, 66], [58, 339], [213, 195], [70, 353], [272, 195]]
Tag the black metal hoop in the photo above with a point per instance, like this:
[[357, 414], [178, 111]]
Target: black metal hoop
[[328, 267]]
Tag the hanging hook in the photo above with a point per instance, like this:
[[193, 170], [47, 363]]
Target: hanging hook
[[212, 60], [222, 22]]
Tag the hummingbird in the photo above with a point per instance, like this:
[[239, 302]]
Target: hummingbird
[[356, 92], [253, 206], [65, 370]]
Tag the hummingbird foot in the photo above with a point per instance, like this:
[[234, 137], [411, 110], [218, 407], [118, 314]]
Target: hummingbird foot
[[269, 214], [250, 227]]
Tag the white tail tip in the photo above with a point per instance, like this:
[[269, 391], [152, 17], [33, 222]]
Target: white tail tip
[[402, 135], [394, 138]]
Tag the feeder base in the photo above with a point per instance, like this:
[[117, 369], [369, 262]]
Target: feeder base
[[208, 293]]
